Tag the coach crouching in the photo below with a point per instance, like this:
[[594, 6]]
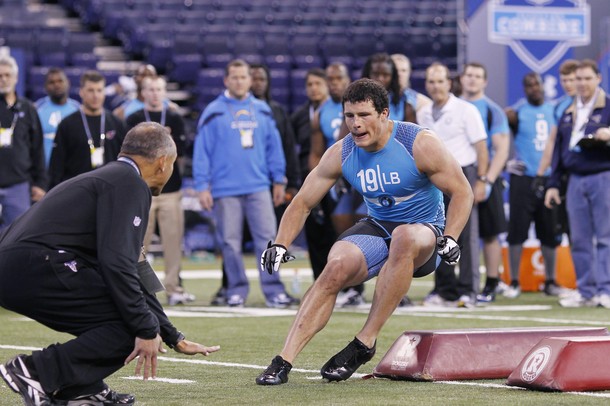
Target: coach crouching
[[71, 263]]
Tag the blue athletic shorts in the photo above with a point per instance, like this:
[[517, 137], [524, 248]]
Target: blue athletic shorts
[[373, 237]]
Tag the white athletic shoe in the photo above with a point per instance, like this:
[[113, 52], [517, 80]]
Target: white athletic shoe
[[349, 298], [576, 300], [466, 301], [434, 300], [512, 291], [603, 300], [180, 298]]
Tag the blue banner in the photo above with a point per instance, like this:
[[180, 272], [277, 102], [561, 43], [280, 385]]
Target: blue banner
[[540, 35]]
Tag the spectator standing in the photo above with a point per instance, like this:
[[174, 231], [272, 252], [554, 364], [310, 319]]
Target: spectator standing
[[261, 89], [459, 124], [492, 220], [54, 107], [166, 209], [237, 157], [567, 80], [414, 98], [87, 138], [533, 126], [319, 230], [23, 178], [133, 104], [582, 151], [381, 68]]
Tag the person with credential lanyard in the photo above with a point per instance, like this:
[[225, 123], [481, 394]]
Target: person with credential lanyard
[[237, 159], [23, 178], [87, 138], [166, 209]]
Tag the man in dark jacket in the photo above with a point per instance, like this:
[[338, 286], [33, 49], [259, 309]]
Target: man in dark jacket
[[22, 172], [77, 271], [582, 151]]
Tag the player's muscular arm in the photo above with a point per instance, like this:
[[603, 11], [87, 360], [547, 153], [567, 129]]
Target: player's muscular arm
[[433, 158], [316, 185]]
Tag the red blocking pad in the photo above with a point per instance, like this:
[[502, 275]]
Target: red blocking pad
[[565, 364], [433, 355]]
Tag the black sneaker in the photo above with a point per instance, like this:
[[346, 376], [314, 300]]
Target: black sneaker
[[17, 376], [488, 295], [107, 397], [405, 302], [552, 289], [342, 365], [220, 298], [276, 373]]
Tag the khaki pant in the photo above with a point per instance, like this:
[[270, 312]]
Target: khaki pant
[[167, 210]]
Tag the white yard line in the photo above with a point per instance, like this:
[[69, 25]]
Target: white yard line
[[307, 371], [158, 379]]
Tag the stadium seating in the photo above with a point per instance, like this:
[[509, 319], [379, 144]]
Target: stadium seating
[[180, 37]]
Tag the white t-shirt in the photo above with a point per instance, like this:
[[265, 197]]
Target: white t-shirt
[[459, 124]]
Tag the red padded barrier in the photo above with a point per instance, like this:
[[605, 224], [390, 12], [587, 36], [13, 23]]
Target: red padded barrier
[[565, 364], [432, 355]]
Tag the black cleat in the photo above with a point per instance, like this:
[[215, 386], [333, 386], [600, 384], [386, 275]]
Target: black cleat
[[342, 365], [107, 397], [21, 380], [276, 373]]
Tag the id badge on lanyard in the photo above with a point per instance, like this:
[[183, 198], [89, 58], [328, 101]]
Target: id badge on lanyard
[[6, 134], [97, 157], [97, 154], [247, 139], [6, 137]]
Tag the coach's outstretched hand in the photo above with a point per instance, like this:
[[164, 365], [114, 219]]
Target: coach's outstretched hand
[[273, 256], [190, 348], [448, 249]]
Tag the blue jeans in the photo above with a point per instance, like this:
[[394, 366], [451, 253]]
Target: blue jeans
[[588, 205], [15, 200], [257, 209]]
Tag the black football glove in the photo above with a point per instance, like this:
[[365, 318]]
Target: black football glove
[[448, 249], [273, 256]]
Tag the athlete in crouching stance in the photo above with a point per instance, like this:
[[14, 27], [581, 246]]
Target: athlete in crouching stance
[[402, 170]]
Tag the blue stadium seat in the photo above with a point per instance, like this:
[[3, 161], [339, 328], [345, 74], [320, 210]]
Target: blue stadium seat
[[244, 44], [36, 77], [84, 59], [210, 78], [185, 68], [305, 52], [279, 78]]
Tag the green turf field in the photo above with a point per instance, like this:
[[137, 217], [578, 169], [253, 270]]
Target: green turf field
[[251, 337]]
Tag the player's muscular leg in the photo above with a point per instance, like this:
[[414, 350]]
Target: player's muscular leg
[[411, 246], [346, 267]]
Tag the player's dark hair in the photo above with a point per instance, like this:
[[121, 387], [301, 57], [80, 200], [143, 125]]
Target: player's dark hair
[[533, 75], [363, 90], [319, 72], [91, 76], [589, 63], [568, 66], [236, 63], [478, 65], [267, 94], [383, 57], [54, 70]]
